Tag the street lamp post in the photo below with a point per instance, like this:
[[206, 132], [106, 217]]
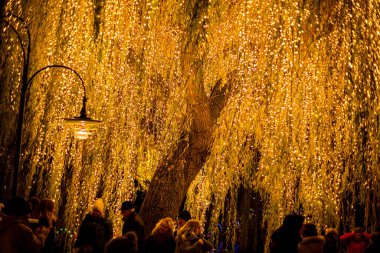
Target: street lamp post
[[82, 125]]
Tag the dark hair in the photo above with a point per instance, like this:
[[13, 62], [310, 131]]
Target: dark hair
[[293, 222], [309, 230], [43, 207], [123, 244], [331, 233], [184, 215], [17, 207], [126, 205], [34, 201], [44, 211]]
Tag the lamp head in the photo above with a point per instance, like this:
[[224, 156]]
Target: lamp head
[[82, 126]]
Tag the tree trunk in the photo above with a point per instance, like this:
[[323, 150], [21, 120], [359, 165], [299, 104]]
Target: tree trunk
[[173, 177], [175, 174]]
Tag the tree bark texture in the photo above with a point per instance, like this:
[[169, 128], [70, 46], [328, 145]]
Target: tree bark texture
[[173, 177]]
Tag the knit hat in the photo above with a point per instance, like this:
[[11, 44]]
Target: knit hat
[[126, 205], [99, 205], [17, 207], [293, 220], [184, 215]]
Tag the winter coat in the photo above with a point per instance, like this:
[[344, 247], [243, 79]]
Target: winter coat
[[375, 245], [312, 244], [134, 223], [331, 245], [94, 233], [283, 241], [286, 238], [192, 245], [52, 243], [121, 245], [353, 246], [17, 237], [160, 243]]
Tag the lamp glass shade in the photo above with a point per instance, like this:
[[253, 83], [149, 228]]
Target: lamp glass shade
[[82, 128]]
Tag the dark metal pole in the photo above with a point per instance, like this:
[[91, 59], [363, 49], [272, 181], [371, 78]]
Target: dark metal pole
[[19, 130], [25, 83]]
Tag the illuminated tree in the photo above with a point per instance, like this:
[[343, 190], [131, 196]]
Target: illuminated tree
[[178, 170], [201, 98]]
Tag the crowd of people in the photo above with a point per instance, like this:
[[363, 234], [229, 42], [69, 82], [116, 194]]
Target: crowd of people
[[295, 236], [29, 226]]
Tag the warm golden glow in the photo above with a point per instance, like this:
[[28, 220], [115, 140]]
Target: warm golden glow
[[304, 93], [82, 128], [82, 134]]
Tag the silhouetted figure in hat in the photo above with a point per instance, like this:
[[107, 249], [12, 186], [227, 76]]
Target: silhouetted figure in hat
[[182, 218], [286, 238], [95, 230], [133, 223], [34, 201]]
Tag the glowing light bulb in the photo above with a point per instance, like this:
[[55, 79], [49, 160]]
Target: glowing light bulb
[[82, 133]]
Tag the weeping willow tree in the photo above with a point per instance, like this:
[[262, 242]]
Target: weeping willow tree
[[198, 98], [308, 107]]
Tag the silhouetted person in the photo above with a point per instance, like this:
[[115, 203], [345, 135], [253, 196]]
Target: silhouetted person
[[331, 241], [190, 240], [133, 223], [95, 230], [182, 218], [126, 243], [286, 238], [44, 212], [34, 201], [161, 240], [311, 242], [15, 234]]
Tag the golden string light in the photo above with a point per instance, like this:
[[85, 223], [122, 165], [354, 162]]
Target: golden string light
[[302, 80]]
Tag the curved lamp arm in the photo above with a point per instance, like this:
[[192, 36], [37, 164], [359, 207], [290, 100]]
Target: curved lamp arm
[[83, 113], [57, 66], [21, 21], [24, 85]]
